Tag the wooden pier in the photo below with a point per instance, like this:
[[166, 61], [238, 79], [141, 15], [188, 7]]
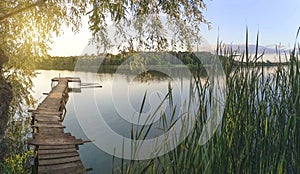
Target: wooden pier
[[55, 150]]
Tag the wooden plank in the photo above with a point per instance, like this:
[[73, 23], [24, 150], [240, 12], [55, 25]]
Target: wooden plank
[[57, 155], [48, 112], [57, 137], [74, 167], [56, 147], [45, 125], [69, 170], [64, 135], [42, 124], [44, 115], [52, 141], [56, 151], [47, 119], [52, 106], [55, 95], [47, 162], [69, 79]]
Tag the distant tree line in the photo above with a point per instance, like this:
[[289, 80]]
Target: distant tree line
[[69, 63]]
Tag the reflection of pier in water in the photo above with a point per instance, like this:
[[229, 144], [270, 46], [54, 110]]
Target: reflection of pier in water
[[55, 150]]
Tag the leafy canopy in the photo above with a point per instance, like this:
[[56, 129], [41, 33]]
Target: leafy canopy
[[147, 24], [27, 26]]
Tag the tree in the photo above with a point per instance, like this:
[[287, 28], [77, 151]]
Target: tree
[[27, 26], [181, 18]]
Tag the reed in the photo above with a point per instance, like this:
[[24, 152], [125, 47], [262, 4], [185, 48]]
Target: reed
[[260, 129]]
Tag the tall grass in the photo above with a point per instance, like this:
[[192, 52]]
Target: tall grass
[[260, 130]]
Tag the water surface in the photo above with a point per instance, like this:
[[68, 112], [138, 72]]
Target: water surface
[[118, 100]]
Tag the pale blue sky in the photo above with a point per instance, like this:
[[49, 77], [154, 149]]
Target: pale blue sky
[[276, 20]]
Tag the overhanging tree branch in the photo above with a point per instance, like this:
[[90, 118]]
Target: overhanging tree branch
[[19, 11]]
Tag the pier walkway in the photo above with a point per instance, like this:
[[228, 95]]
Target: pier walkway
[[55, 150]]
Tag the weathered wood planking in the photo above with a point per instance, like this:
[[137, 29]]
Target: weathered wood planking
[[69, 79], [57, 155], [74, 167], [56, 150], [55, 147]]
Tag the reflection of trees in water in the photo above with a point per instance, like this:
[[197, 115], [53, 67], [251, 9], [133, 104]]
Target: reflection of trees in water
[[147, 76], [153, 75]]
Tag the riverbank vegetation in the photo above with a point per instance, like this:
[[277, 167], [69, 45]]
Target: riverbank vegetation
[[259, 132]]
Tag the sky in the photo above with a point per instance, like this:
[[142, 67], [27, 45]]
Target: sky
[[277, 22]]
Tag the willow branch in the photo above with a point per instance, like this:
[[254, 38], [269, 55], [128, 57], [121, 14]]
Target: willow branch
[[18, 11]]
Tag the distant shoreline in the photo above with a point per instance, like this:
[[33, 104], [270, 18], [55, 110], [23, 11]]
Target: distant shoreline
[[112, 62]]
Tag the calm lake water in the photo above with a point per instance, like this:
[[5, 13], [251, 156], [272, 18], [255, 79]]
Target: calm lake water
[[93, 113], [115, 103]]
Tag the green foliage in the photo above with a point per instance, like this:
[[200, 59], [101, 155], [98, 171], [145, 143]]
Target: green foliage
[[148, 31], [25, 31], [26, 28], [14, 149], [16, 164]]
